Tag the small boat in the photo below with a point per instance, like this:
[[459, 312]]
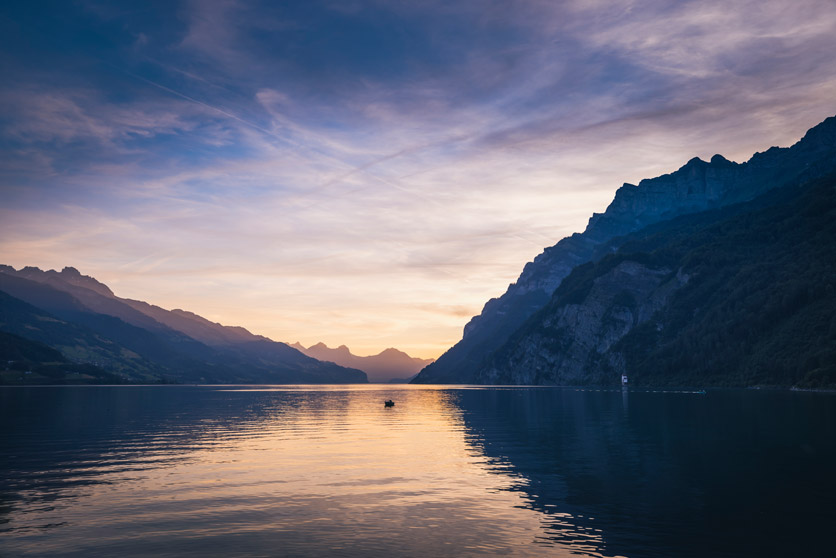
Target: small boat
[[389, 403]]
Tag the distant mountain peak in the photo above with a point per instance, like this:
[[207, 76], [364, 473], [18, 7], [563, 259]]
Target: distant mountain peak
[[823, 133], [718, 160], [389, 364], [393, 353], [146, 343], [74, 277], [68, 275]]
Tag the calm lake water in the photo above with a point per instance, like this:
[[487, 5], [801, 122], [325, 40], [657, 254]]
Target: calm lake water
[[328, 471]]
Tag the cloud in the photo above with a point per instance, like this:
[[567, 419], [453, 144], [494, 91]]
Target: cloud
[[328, 170], [64, 116], [701, 39]]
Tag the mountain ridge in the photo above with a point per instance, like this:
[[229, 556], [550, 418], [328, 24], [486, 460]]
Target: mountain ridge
[[165, 353], [736, 298], [695, 187], [389, 365]]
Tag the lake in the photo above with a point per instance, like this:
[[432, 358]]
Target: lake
[[448, 471]]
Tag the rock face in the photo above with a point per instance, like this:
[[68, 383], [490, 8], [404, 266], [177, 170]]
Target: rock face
[[742, 296], [697, 186], [570, 343], [387, 366]]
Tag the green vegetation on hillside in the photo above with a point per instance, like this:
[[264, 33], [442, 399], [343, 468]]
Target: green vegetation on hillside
[[78, 344], [83, 335], [760, 305], [23, 361]]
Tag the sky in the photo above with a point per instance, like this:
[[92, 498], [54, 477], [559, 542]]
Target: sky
[[369, 173]]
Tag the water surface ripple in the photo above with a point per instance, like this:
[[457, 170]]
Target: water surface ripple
[[448, 471]]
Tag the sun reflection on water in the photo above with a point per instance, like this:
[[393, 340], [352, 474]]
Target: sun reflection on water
[[291, 471]]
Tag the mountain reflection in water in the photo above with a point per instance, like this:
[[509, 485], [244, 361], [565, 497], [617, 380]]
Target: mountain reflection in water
[[312, 471]]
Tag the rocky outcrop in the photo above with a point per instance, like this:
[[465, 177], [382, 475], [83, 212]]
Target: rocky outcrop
[[738, 297], [697, 186], [67, 276], [570, 341]]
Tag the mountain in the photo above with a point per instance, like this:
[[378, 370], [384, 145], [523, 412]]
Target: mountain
[[387, 366], [696, 187], [73, 342], [97, 297], [31, 362], [743, 297], [82, 319]]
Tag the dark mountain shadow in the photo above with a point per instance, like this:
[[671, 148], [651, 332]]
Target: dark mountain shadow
[[730, 473]]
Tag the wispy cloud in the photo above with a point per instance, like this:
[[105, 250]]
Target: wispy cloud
[[341, 171], [51, 116]]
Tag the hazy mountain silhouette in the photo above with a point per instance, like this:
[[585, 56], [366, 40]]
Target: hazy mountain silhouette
[[387, 366], [87, 323]]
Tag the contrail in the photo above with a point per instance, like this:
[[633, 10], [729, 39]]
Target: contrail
[[201, 103], [324, 186], [351, 169]]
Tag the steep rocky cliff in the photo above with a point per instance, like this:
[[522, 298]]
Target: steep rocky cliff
[[743, 296], [696, 187], [577, 329]]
